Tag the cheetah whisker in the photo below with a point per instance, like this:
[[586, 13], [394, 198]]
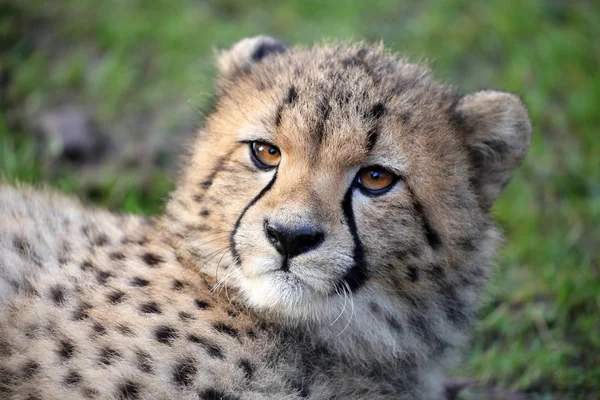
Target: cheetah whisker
[[343, 308], [349, 293]]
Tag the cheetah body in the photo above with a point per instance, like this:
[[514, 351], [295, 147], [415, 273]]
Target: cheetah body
[[198, 303]]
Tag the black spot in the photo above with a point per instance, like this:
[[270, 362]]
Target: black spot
[[101, 240], [251, 334], [152, 259], [102, 277], [357, 275], [8, 380], [125, 330], [404, 117], [422, 329], [66, 349], [372, 136], [201, 304], [467, 244], [323, 110], [29, 369], [184, 372], [129, 390], [436, 273], [454, 307], [5, 349], [28, 288], [278, 115], [177, 284], [87, 266], [116, 297], [199, 227], [394, 324], [81, 312], [86, 230], [137, 281], [232, 313], [292, 95], [150, 308], [32, 330], [107, 355], [264, 49], [299, 387], [144, 361], [90, 393], [375, 309], [117, 255], [212, 349], [376, 111], [99, 328], [221, 327], [21, 245], [185, 316], [206, 184], [165, 334], [246, 367], [73, 378], [432, 237], [57, 294], [348, 62], [416, 302], [413, 273], [205, 213], [214, 394]]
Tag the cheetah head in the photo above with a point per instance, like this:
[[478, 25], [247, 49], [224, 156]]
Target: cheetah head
[[343, 183]]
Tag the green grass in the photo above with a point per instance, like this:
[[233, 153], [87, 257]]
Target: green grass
[[145, 69]]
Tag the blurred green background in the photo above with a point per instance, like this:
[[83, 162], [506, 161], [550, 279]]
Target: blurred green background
[[128, 80]]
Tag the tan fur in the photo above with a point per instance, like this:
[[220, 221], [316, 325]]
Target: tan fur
[[195, 304]]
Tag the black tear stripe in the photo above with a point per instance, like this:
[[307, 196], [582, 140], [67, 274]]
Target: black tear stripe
[[264, 190], [356, 276], [431, 235]]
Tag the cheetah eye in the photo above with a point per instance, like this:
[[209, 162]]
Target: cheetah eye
[[264, 155], [375, 180]]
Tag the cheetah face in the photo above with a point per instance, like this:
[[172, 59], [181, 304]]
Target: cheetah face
[[346, 171]]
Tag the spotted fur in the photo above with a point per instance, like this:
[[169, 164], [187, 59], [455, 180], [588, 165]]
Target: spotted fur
[[197, 303]]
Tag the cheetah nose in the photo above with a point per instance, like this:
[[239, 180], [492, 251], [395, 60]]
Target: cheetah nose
[[293, 241]]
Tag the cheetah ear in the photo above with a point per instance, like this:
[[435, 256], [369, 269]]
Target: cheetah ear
[[240, 58], [498, 136]]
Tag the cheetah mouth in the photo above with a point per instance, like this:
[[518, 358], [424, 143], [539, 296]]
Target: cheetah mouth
[[307, 277]]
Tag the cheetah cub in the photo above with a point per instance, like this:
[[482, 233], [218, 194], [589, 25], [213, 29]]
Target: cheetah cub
[[328, 238]]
